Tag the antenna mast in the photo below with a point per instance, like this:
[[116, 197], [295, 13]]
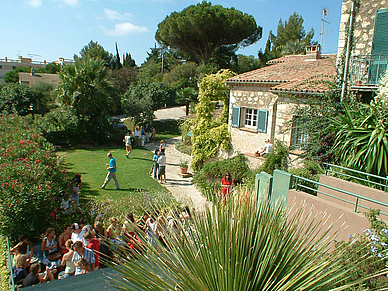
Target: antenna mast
[[324, 13]]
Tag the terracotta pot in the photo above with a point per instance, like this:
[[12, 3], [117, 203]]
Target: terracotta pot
[[183, 170]]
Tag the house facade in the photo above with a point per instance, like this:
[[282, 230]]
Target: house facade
[[262, 101], [369, 54]]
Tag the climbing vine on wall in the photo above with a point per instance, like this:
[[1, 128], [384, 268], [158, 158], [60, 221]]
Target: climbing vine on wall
[[210, 135]]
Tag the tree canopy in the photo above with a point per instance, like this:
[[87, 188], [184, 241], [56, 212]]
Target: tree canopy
[[94, 50], [198, 30], [290, 38]]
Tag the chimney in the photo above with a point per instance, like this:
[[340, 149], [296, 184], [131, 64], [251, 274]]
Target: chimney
[[313, 52]]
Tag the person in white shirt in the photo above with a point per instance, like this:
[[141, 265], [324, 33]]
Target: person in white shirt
[[77, 234], [267, 148], [137, 135], [162, 167]]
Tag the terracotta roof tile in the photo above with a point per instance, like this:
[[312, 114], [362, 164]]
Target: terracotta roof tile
[[292, 73]]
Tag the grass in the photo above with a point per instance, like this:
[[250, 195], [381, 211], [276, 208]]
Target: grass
[[132, 174]]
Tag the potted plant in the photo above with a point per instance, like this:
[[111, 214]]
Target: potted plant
[[184, 165]]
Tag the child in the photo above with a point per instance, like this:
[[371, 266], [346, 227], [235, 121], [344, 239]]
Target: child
[[65, 205], [34, 277], [156, 165], [162, 166], [83, 265]]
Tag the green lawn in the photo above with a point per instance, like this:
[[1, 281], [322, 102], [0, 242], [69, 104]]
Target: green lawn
[[132, 173]]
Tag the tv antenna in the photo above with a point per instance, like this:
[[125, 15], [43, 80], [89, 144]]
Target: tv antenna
[[34, 55], [323, 32], [18, 52]]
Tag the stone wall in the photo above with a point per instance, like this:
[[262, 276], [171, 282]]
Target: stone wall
[[363, 25], [280, 111]]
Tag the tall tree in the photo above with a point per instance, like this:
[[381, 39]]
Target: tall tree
[[128, 61], [198, 30], [290, 38], [116, 62], [95, 51], [85, 87]]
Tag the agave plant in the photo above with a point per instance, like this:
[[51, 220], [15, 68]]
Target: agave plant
[[362, 138], [239, 245]]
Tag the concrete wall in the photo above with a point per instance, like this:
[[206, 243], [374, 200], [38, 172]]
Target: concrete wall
[[363, 25], [345, 221], [353, 188]]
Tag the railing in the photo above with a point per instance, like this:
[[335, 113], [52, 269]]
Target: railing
[[296, 182], [366, 71], [9, 267], [21, 62], [380, 182]]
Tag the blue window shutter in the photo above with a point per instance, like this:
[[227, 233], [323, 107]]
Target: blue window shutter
[[236, 116], [262, 121], [380, 37]]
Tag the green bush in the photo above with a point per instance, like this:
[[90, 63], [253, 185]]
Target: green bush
[[215, 171], [167, 126], [276, 159], [60, 126], [31, 176], [183, 148], [311, 171]]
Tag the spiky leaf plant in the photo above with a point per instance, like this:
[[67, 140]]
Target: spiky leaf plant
[[238, 245]]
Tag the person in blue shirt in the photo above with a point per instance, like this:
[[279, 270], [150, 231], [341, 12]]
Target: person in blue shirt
[[156, 165], [112, 169]]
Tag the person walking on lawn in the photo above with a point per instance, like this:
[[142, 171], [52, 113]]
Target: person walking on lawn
[[112, 169]]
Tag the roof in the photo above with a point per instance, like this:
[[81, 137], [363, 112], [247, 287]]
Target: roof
[[294, 73], [27, 78]]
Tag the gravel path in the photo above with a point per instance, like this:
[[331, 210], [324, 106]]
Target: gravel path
[[181, 188]]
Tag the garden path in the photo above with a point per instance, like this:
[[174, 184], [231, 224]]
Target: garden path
[[181, 188]]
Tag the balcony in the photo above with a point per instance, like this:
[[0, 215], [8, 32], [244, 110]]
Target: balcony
[[365, 71]]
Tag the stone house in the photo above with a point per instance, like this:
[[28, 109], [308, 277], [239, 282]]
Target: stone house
[[262, 101], [369, 55]]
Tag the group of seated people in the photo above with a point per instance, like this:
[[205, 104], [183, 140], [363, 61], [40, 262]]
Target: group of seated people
[[80, 246]]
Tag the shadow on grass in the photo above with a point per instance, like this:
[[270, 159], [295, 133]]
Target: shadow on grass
[[126, 189]]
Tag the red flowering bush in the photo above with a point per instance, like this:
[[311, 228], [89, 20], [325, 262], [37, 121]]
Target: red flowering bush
[[31, 179]]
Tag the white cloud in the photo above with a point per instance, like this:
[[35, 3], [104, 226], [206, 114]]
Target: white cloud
[[34, 3], [79, 16], [115, 15], [70, 2], [124, 29]]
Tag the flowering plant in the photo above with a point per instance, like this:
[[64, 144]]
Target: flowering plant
[[31, 179]]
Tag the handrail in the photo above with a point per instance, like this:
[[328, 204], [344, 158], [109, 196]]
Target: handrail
[[9, 266], [385, 179], [297, 178]]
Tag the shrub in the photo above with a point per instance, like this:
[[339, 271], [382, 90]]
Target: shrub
[[372, 243], [167, 126], [31, 179], [277, 159], [60, 126], [183, 148], [215, 171], [311, 171]]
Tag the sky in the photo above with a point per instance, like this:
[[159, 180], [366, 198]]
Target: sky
[[49, 29]]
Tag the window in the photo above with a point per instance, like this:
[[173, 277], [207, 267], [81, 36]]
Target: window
[[299, 134], [13, 67], [250, 118]]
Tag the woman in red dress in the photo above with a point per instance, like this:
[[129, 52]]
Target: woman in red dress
[[226, 184]]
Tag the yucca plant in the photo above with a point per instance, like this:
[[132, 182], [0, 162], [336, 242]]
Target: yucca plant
[[238, 245], [361, 140]]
